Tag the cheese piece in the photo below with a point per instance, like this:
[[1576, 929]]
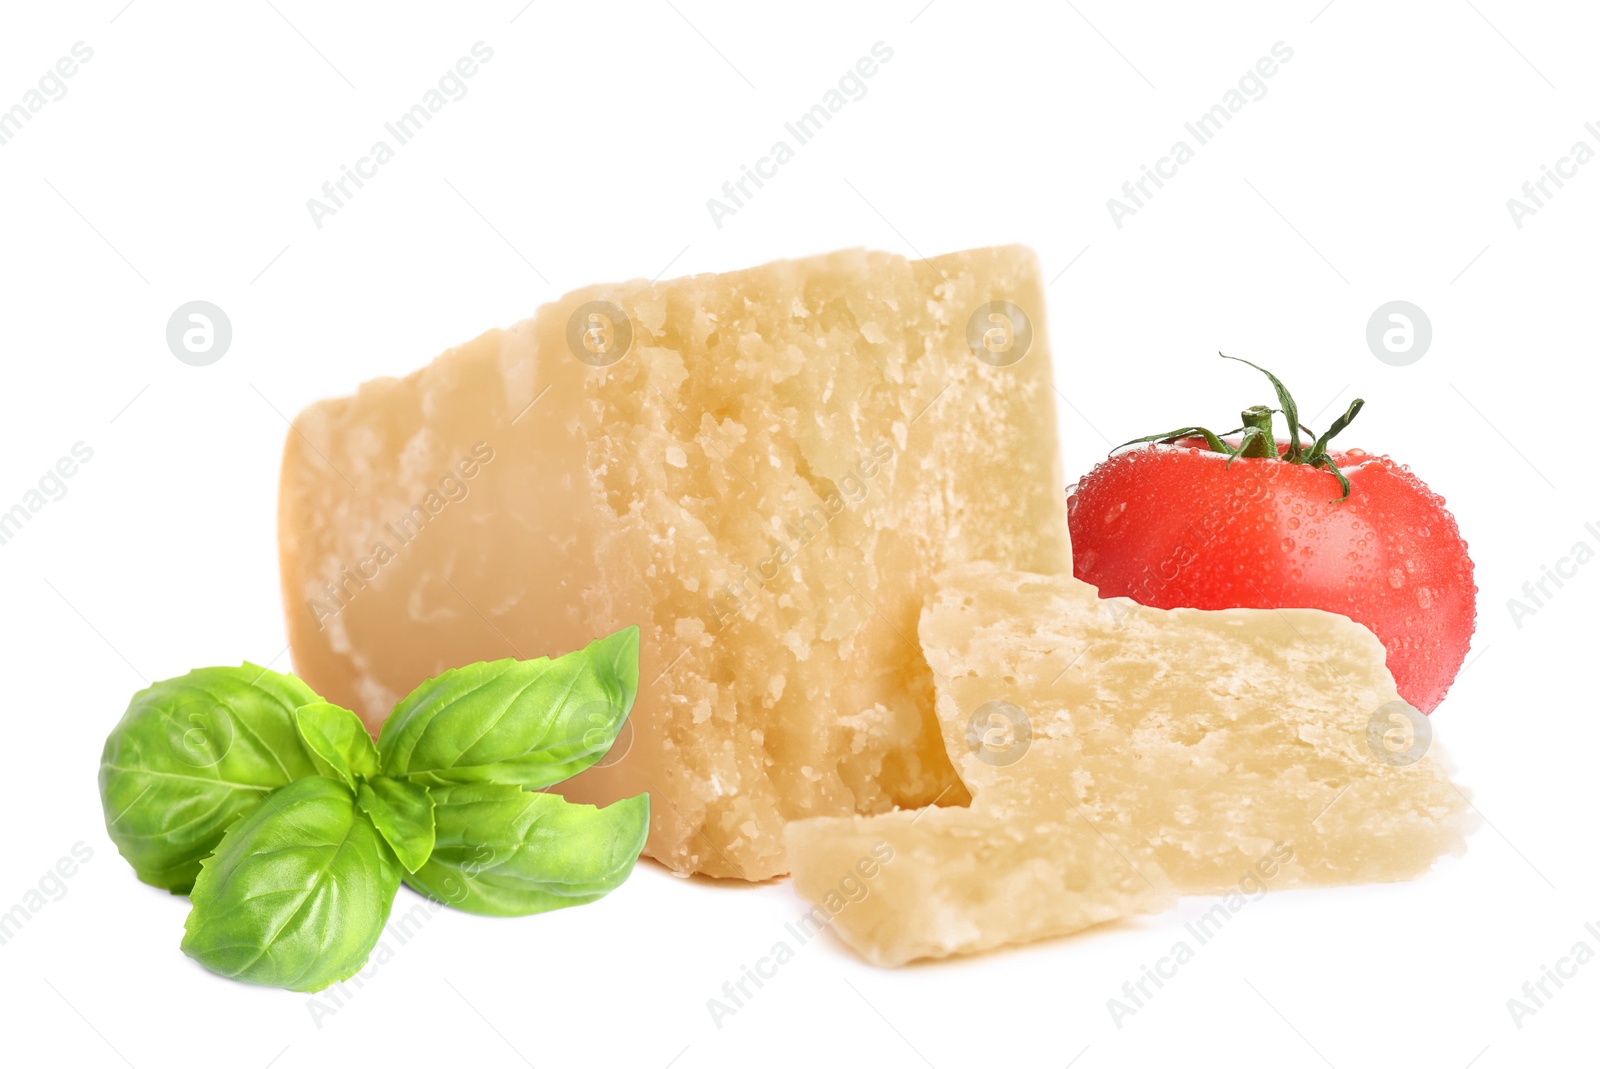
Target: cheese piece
[[762, 469], [1196, 747], [952, 880]]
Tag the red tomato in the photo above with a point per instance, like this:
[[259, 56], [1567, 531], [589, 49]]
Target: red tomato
[[1175, 525]]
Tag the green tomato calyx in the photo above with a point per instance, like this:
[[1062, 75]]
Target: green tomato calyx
[[1257, 440]]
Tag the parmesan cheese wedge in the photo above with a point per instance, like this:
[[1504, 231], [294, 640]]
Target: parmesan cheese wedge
[[1115, 753], [761, 469]]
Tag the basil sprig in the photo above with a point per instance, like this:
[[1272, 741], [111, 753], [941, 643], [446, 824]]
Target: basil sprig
[[503, 852], [528, 723], [297, 893], [337, 741], [191, 756], [291, 831]]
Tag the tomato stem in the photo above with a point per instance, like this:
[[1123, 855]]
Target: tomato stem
[[1257, 440], [1257, 418]]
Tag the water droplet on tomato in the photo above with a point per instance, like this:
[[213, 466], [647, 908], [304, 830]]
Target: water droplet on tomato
[[1397, 578], [1288, 545], [1294, 522]]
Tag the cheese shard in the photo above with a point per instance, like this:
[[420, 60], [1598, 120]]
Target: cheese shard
[[1011, 869], [1198, 748], [762, 469]]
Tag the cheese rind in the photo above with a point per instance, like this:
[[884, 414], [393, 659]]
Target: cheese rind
[[762, 469], [1193, 747]]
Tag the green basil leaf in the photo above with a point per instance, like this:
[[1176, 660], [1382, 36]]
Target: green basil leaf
[[337, 741], [506, 852], [191, 756], [526, 723], [297, 893], [403, 814]]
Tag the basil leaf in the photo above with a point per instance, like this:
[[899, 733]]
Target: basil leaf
[[506, 852], [337, 741], [403, 814], [526, 723], [297, 893], [192, 755]]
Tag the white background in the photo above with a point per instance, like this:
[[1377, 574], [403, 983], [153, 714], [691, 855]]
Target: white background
[[1377, 167]]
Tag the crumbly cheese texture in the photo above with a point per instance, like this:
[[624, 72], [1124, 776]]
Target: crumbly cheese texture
[[1012, 868], [765, 481], [1114, 752]]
